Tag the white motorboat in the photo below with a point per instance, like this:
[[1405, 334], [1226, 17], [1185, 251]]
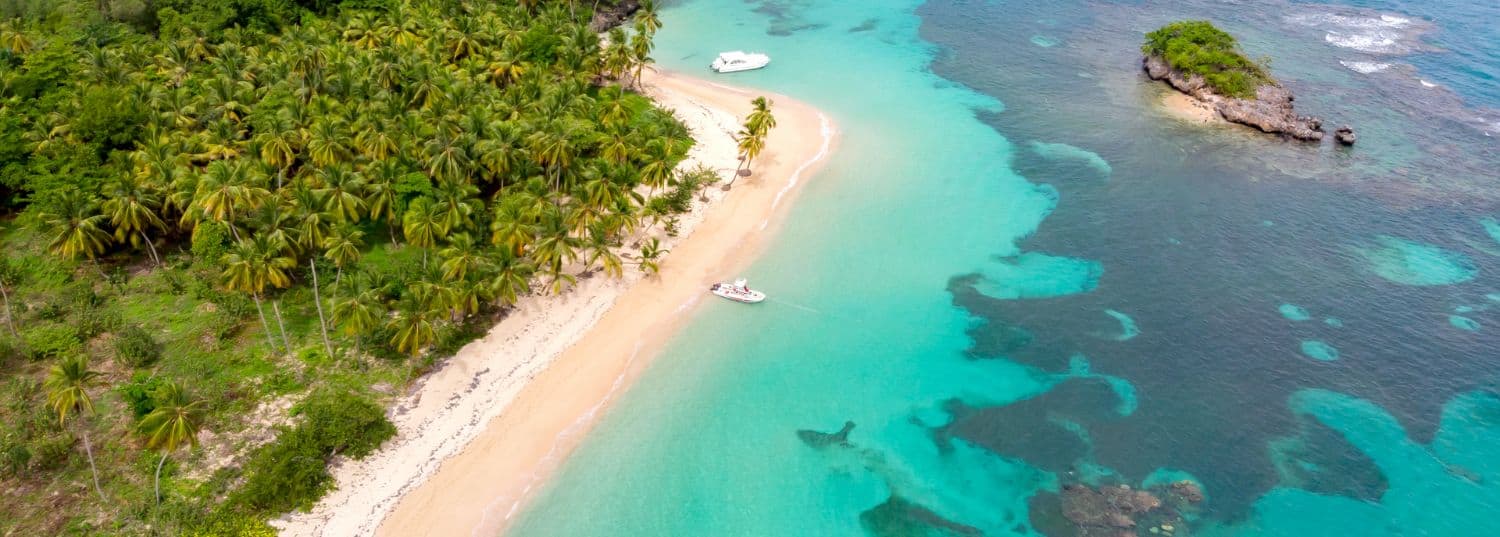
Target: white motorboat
[[739, 60], [739, 291]]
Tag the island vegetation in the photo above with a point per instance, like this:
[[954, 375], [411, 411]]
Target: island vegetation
[[233, 229], [1198, 47]]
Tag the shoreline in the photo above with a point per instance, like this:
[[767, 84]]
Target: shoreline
[[1184, 107], [478, 435]]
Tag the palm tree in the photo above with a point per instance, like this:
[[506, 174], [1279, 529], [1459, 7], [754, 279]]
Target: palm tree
[[251, 265], [554, 249], [657, 171], [750, 145], [461, 258], [456, 203], [646, 18], [422, 224], [640, 50], [173, 423], [413, 325], [510, 276], [651, 252], [341, 189], [510, 227], [132, 209], [223, 192], [599, 245], [381, 194], [67, 387], [359, 313], [77, 226], [760, 120], [341, 246]]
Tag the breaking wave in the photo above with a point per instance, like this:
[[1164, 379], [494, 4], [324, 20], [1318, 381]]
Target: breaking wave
[[1373, 33], [1365, 67]]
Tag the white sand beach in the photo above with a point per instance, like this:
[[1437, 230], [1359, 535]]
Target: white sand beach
[[480, 433]]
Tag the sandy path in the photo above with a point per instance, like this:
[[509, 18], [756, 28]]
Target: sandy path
[[479, 434]]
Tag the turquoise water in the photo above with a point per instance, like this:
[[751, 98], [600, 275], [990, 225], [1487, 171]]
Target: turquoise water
[[958, 299]]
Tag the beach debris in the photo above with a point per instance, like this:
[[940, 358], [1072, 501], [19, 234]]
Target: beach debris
[[819, 439]]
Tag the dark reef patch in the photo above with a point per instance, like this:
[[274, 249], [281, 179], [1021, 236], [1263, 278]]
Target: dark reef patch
[[900, 518]]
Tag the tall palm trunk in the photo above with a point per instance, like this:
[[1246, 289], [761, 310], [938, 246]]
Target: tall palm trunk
[[159, 464], [318, 299], [10, 316], [88, 448], [152, 248], [270, 337], [281, 325]]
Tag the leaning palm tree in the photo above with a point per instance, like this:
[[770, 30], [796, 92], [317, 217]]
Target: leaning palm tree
[[173, 423], [67, 387], [252, 264], [750, 145]]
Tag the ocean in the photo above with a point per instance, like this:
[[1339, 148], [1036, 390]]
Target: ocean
[[1018, 278]]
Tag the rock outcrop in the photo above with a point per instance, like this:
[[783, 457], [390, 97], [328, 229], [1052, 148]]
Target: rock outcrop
[[1344, 135], [819, 439], [1270, 110], [610, 16]]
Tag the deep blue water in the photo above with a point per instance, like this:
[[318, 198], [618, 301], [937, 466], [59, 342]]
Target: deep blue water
[[1060, 284]]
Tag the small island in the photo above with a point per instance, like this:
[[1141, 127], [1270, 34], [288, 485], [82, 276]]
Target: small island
[[1204, 62]]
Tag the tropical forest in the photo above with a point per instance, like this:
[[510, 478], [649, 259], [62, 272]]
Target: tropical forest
[[232, 231]]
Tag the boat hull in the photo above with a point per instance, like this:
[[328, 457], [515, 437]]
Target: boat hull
[[744, 296], [737, 68]]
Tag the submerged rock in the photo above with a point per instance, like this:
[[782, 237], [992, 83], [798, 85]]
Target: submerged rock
[[1270, 111], [1188, 491], [819, 439], [1110, 506], [1345, 135]]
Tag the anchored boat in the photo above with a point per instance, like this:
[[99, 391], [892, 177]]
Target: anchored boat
[[739, 291], [739, 60]]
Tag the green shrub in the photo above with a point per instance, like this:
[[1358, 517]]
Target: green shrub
[[135, 346], [291, 472], [1197, 47], [139, 393], [14, 457], [93, 321], [210, 242], [51, 340], [231, 524], [344, 423], [52, 451]]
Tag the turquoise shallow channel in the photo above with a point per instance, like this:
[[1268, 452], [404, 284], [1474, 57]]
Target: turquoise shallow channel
[[933, 360]]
